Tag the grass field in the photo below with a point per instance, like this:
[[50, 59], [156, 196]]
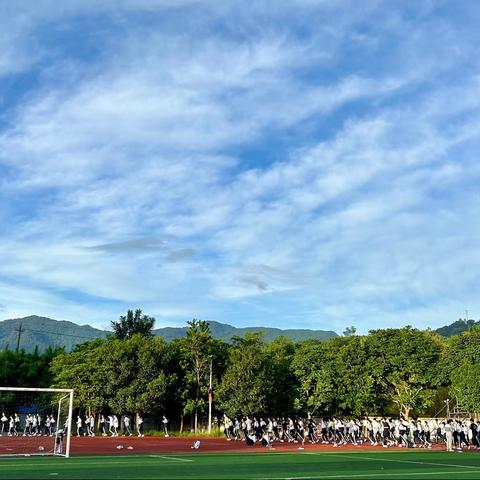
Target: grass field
[[270, 465]]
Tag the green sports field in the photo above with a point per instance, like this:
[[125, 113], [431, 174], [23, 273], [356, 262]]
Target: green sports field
[[271, 465]]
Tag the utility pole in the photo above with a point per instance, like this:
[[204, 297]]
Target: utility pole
[[19, 331], [210, 396]]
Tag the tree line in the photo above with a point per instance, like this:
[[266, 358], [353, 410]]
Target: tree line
[[389, 371]]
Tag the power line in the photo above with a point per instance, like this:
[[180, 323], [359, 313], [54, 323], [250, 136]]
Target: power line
[[57, 333], [19, 331]]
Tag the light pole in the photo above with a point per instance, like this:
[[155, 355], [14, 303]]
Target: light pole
[[210, 395]]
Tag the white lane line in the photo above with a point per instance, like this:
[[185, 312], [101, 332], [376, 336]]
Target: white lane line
[[366, 475], [413, 462], [101, 464], [176, 459]]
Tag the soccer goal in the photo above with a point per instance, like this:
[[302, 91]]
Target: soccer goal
[[35, 421]]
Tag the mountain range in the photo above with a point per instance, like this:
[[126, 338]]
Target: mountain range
[[44, 332]]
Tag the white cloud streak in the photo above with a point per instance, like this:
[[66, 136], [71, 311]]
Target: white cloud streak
[[361, 221]]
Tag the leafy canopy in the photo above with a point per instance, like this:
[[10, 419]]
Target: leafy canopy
[[131, 324]]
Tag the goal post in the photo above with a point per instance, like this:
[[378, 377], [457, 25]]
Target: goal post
[[35, 421]]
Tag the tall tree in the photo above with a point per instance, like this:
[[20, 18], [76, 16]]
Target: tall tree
[[279, 357], [315, 389], [245, 385], [465, 386], [335, 378], [23, 369], [197, 351], [84, 369], [138, 377], [350, 331], [461, 348], [460, 368], [133, 323], [406, 363], [120, 375]]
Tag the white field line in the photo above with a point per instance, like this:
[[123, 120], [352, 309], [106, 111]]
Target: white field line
[[97, 462], [413, 462], [176, 459], [362, 475], [273, 451]]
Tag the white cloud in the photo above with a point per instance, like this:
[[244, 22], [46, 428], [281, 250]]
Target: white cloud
[[351, 219]]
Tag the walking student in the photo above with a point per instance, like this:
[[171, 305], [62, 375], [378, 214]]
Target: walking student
[[140, 426], [165, 425], [449, 435]]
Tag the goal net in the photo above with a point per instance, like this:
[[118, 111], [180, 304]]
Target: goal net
[[35, 421]]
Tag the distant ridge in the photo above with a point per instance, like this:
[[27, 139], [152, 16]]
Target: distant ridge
[[44, 332], [225, 332], [457, 327]]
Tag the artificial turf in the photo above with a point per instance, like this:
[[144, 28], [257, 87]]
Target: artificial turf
[[246, 466]]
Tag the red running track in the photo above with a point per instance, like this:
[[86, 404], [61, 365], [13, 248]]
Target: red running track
[[160, 445]]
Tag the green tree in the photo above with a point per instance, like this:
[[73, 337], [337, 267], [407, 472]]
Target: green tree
[[350, 331], [405, 362], [355, 389], [465, 386], [335, 378], [460, 365], [122, 375], [138, 378], [131, 324], [245, 385], [85, 371], [279, 356], [462, 348], [315, 389], [23, 369], [197, 348]]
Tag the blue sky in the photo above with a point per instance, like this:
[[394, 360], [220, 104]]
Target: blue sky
[[297, 164]]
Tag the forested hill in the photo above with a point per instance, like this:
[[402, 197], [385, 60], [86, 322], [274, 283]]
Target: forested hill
[[46, 332], [457, 327], [225, 332]]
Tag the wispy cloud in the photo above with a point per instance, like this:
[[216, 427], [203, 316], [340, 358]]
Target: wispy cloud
[[179, 255], [131, 246], [264, 166]]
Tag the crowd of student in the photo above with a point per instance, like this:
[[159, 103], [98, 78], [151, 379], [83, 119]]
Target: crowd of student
[[32, 425], [400, 432], [110, 425], [387, 432]]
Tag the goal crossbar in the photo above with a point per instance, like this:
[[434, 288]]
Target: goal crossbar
[[53, 390]]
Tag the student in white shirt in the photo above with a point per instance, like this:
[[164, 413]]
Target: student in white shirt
[[17, 424], [52, 424], [92, 425], [47, 425], [110, 425], [4, 423], [103, 429], [87, 424], [140, 426], [449, 435], [165, 425], [126, 424], [79, 425], [115, 426]]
